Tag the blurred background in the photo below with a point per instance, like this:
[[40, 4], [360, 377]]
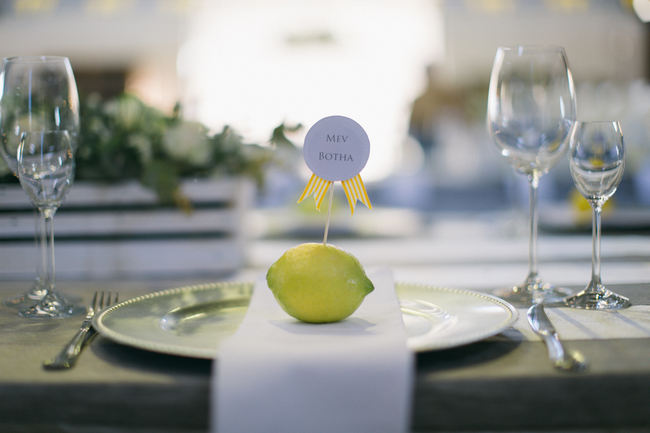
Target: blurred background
[[414, 73]]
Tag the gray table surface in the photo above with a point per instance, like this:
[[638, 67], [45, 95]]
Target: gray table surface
[[504, 383]]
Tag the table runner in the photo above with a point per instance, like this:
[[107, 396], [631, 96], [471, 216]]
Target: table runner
[[276, 374], [578, 324]]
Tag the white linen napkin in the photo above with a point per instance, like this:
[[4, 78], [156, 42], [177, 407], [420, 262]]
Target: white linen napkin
[[279, 375]]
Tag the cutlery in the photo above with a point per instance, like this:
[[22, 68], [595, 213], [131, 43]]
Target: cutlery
[[71, 351], [561, 358]]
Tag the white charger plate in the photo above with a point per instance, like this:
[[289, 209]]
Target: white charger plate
[[191, 321]]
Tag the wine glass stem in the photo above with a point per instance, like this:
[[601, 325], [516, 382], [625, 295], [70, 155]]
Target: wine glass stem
[[533, 180], [595, 255], [48, 219]]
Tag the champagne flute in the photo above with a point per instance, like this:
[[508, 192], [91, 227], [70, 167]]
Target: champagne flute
[[37, 93], [596, 161], [46, 170], [530, 114]]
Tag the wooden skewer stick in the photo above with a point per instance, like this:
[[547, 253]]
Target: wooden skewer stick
[[329, 214]]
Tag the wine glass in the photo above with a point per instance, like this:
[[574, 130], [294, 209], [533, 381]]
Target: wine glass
[[596, 161], [46, 170], [530, 114], [37, 93]]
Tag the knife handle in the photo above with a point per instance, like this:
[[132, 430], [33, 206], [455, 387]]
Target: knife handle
[[554, 347]]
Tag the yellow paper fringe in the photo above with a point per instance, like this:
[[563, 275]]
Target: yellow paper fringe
[[318, 187], [355, 191]]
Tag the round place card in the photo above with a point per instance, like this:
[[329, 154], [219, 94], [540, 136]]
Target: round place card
[[336, 148]]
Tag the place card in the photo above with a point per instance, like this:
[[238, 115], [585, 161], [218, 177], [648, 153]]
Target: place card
[[336, 148]]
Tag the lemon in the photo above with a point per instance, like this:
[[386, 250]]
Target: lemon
[[318, 283]]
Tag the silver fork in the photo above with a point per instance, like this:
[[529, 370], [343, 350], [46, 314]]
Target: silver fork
[[71, 351]]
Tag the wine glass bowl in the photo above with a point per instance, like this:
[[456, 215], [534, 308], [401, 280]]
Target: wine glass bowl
[[38, 93], [530, 115], [46, 167], [597, 159], [597, 162], [531, 107]]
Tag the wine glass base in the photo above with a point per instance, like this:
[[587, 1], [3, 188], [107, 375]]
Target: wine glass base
[[597, 297], [52, 306], [35, 294], [533, 290]]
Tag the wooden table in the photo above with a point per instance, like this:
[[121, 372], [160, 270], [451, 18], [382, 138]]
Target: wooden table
[[504, 383]]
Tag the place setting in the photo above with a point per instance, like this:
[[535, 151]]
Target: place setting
[[318, 319], [192, 320]]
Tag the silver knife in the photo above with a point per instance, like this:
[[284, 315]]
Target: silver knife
[[559, 356]]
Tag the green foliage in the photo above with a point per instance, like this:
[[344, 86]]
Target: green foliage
[[124, 139]]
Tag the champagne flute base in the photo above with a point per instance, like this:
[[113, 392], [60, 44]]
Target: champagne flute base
[[533, 289], [52, 306], [597, 297]]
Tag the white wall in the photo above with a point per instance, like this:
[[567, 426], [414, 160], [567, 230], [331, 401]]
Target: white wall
[[603, 39]]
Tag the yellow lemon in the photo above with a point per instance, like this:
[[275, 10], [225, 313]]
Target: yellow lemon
[[318, 283]]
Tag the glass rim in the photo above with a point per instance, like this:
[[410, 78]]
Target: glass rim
[[35, 59], [597, 121], [533, 47]]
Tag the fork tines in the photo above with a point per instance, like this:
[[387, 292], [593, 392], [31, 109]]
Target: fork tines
[[106, 299]]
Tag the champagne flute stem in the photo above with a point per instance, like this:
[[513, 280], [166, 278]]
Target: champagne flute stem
[[533, 181], [595, 255], [42, 246]]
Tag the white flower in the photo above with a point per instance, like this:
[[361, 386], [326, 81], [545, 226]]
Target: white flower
[[187, 141], [127, 111]]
